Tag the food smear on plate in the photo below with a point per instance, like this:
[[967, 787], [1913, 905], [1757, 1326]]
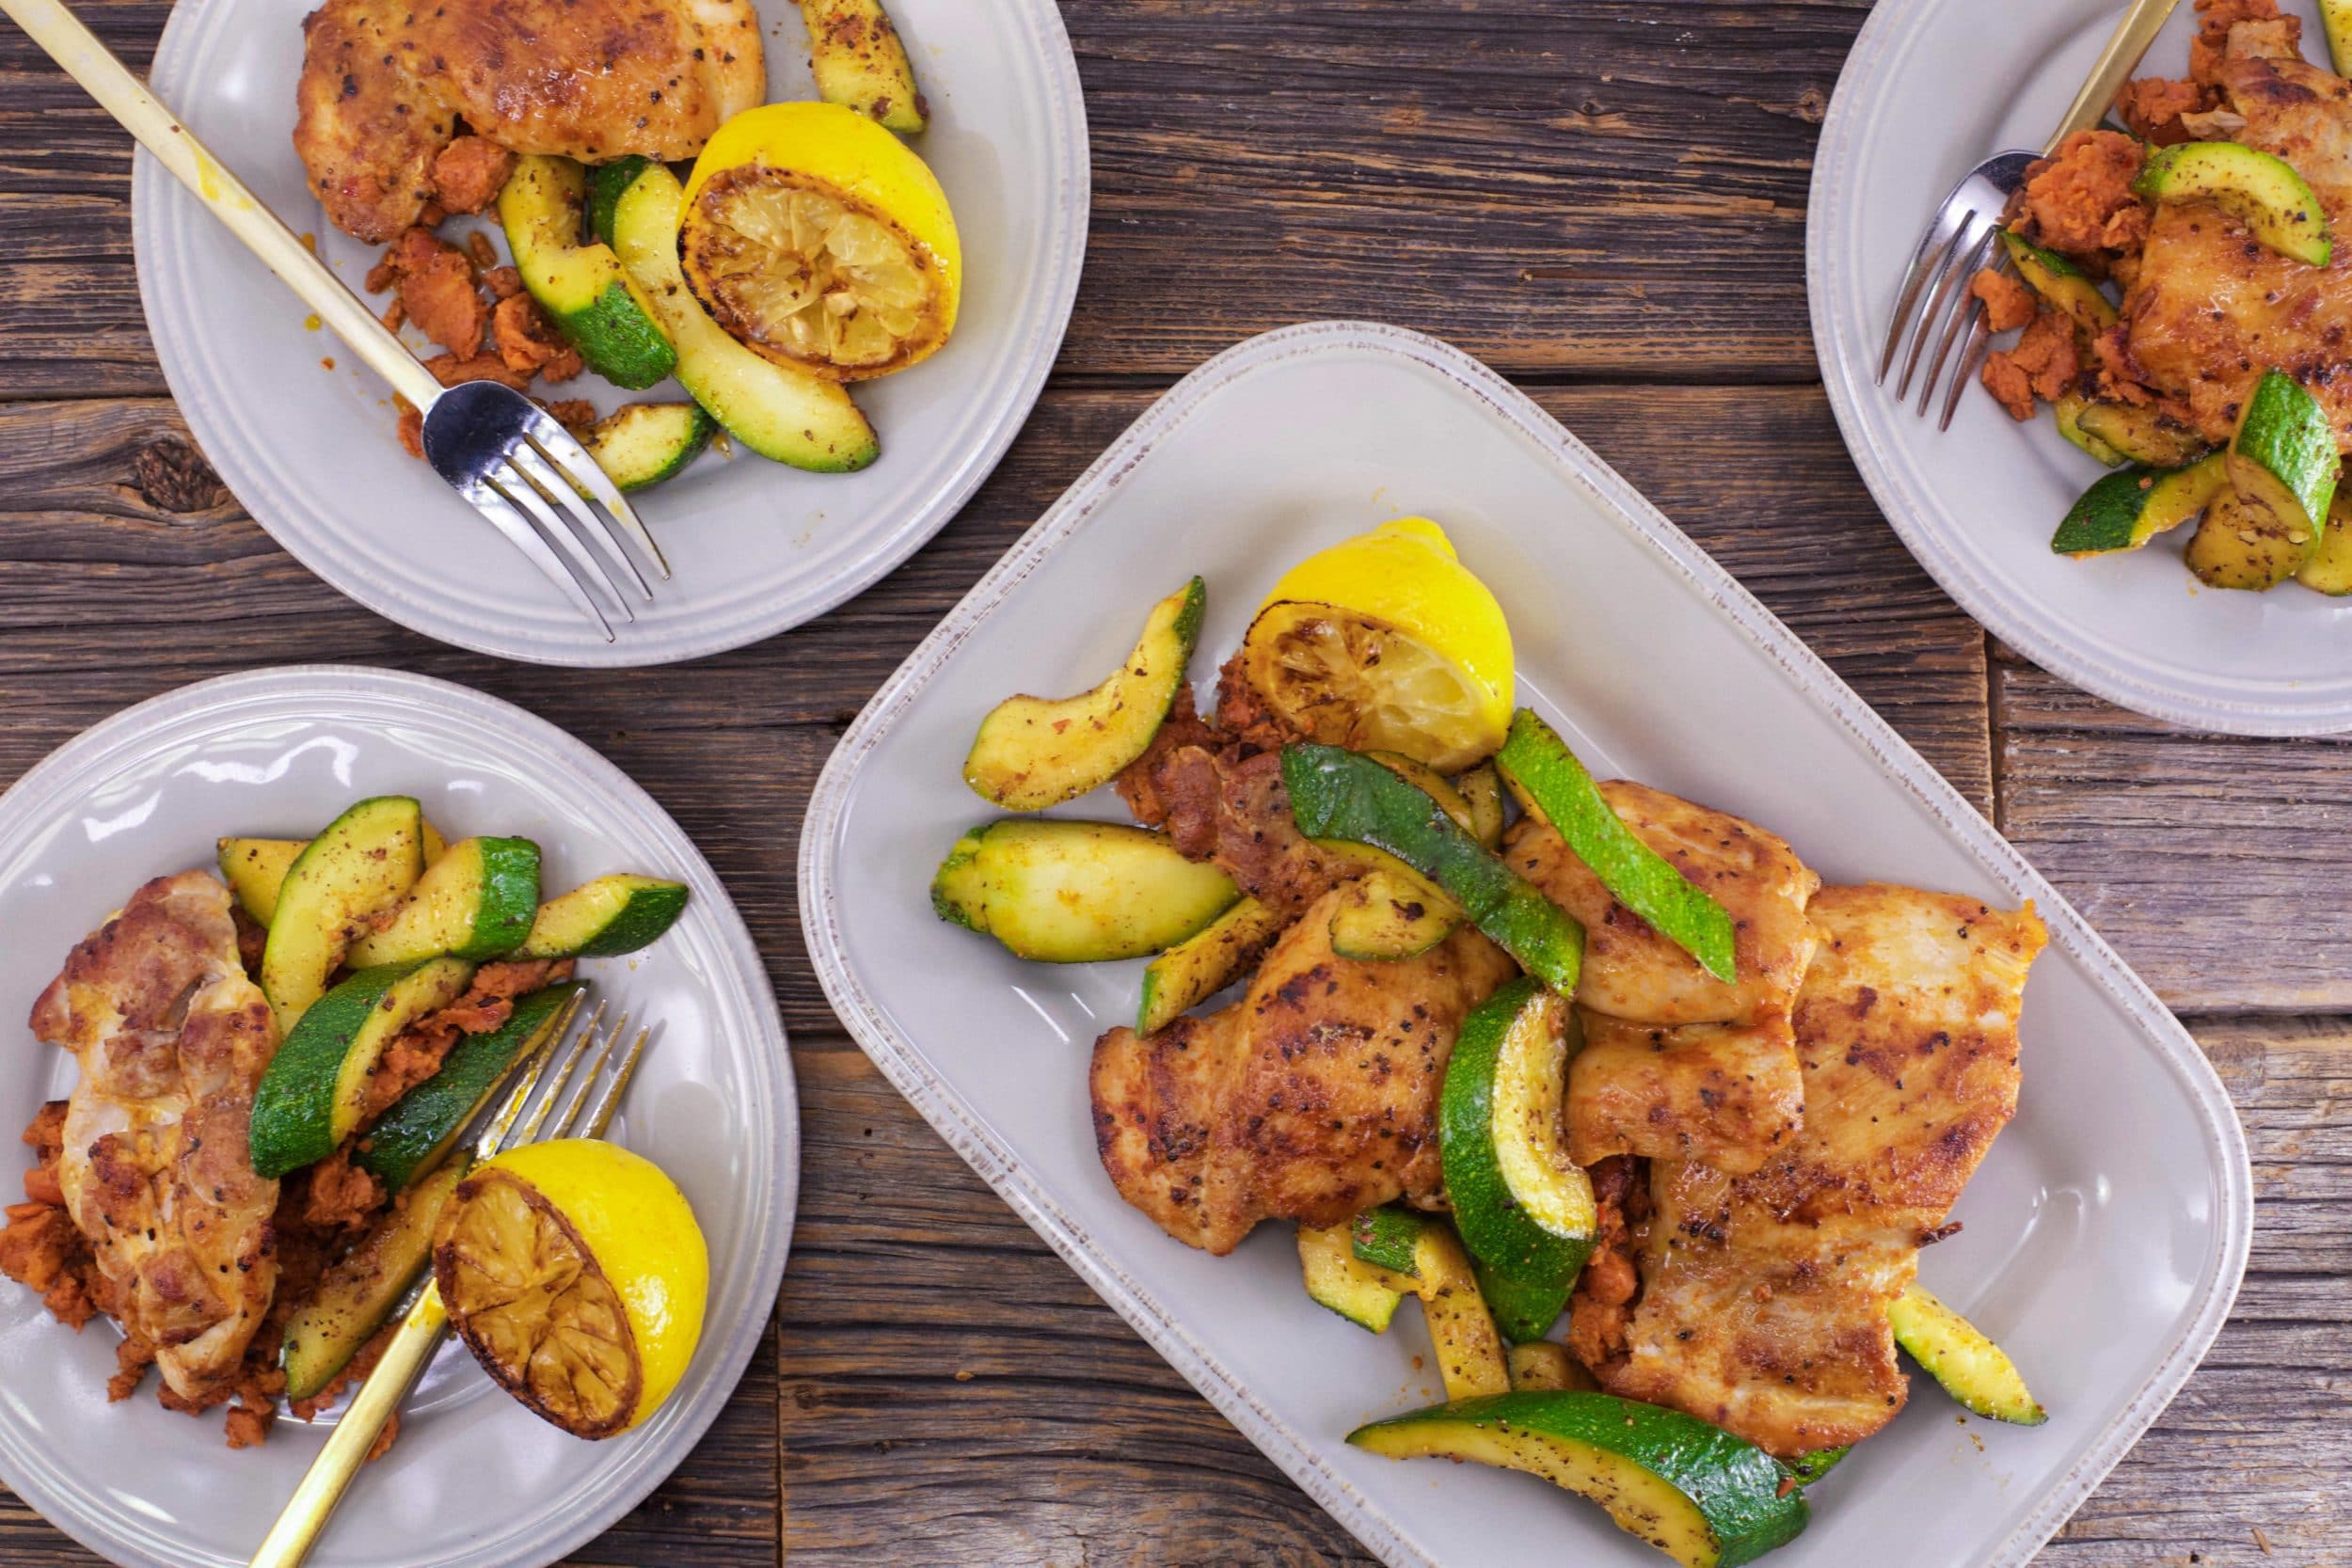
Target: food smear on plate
[[2214, 375], [1653, 1123], [813, 238], [277, 1063]]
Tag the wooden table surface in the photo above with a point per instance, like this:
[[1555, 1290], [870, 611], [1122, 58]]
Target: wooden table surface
[[1605, 201]]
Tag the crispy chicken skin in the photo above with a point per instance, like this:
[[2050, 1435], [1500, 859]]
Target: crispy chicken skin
[[1313, 1097], [1763, 1297], [1724, 1094], [173, 1038], [385, 84], [1238, 815], [1632, 972]]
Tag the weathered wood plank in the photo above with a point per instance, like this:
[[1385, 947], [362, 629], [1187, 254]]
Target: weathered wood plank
[[1635, 174], [2215, 864]]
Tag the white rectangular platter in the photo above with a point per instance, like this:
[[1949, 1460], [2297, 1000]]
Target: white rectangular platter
[[2105, 1235]]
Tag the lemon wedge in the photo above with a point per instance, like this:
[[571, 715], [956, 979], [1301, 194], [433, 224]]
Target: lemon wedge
[[1387, 641], [576, 1273], [821, 241]]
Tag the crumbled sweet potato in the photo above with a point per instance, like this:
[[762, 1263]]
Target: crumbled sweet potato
[[411, 428], [576, 415], [340, 1194], [2217, 19], [2153, 107], [467, 173], [480, 252], [450, 371], [2042, 364], [528, 341], [439, 296], [2070, 200], [2008, 304], [502, 282]]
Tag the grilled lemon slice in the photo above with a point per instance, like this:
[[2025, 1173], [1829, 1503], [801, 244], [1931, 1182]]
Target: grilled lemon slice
[[819, 240], [577, 1275]]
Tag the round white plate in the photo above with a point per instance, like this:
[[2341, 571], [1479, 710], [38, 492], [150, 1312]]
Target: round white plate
[[1932, 86], [475, 1481], [757, 546]]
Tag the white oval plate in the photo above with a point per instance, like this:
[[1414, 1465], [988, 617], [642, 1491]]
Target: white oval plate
[[757, 546], [475, 1481], [2105, 1232], [1930, 89]]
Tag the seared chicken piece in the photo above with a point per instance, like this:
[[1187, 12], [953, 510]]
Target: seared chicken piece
[[2209, 309], [172, 1038], [1313, 1098], [1724, 1094], [1238, 815], [1763, 1297], [385, 83], [1632, 972]]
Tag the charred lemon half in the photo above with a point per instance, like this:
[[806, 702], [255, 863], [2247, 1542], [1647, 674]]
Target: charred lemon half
[[819, 240], [576, 1273]]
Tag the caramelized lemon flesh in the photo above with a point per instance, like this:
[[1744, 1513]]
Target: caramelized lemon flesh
[[1354, 680]]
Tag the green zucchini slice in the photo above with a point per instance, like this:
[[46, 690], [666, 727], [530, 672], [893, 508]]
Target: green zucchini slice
[[1391, 913], [605, 181], [2329, 569], [1337, 1278], [644, 443], [1063, 892], [2125, 511], [2336, 15], [1037, 751], [1704, 1498], [1552, 783], [1543, 1365], [1481, 789], [1187, 974], [475, 902], [309, 1100], [2261, 191], [860, 64], [580, 284], [2060, 283], [2143, 434], [2242, 544], [2068, 411], [1423, 1249], [1342, 795], [409, 1140], [359, 1290], [1961, 1359], [1806, 1468], [787, 415], [2284, 454], [255, 869], [605, 918], [367, 860], [1524, 1208]]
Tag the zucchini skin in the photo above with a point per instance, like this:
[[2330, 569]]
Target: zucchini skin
[[1057, 891], [364, 860], [412, 1137]]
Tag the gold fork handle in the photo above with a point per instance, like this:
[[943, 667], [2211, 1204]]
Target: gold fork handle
[[2142, 21], [330, 1475], [61, 35]]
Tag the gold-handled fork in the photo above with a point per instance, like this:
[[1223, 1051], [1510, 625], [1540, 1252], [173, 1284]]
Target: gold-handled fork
[[502, 452], [540, 1079], [1934, 304]]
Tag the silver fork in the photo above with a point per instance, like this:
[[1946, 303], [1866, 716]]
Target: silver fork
[[502, 452], [1934, 304], [540, 1082]]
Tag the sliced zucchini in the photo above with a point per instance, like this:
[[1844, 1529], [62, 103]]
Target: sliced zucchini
[[788, 415], [475, 902], [1337, 1278], [2125, 511], [1961, 1359], [1806, 1468], [605, 918], [1187, 974], [580, 284], [860, 63], [1422, 1248], [1037, 751], [367, 860], [2336, 15], [1524, 1309], [409, 1140], [605, 181], [254, 868], [644, 443], [1481, 789], [310, 1100], [1524, 1209], [359, 1290], [1391, 913], [2284, 454], [2329, 569], [1544, 1364], [1704, 1498], [2242, 544], [2143, 434], [2060, 283], [2067, 412], [1552, 783], [1063, 892], [1432, 784], [2261, 191], [1341, 794]]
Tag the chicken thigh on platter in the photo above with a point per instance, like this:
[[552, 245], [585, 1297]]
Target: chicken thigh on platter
[[173, 1038], [385, 84]]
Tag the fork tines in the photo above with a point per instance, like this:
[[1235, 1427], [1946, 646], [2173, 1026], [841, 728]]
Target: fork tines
[[544, 1102], [1934, 307]]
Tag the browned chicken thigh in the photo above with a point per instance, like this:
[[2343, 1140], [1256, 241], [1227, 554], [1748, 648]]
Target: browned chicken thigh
[[385, 83]]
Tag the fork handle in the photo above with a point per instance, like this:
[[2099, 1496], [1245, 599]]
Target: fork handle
[[330, 1475], [73, 46], [2142, 21]]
